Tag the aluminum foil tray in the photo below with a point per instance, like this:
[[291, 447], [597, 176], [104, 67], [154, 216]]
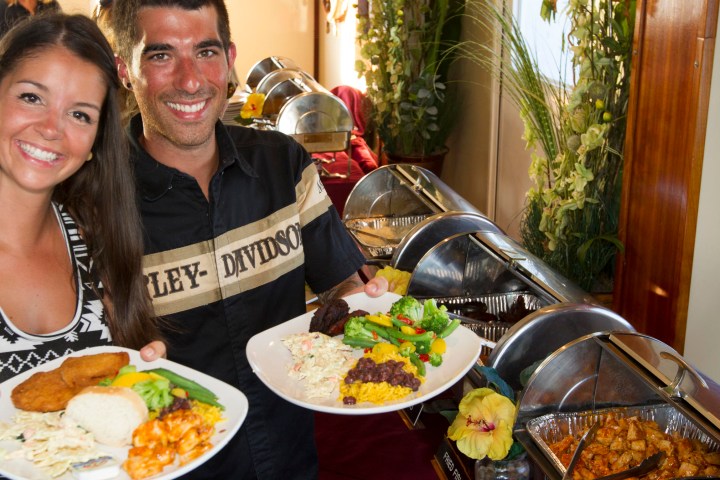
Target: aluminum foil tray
[[497, 304], [380, 236], [553, 427]]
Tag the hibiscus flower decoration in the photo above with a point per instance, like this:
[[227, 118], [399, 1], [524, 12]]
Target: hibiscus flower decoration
[[483, 426], [252, 108]]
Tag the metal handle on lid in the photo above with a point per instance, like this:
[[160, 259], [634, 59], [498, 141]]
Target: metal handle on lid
[[674, 388]]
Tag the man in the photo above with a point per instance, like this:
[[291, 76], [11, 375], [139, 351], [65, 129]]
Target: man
[[236, 222]]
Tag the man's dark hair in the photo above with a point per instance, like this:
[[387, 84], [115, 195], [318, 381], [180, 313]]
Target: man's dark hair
[[125, 13]]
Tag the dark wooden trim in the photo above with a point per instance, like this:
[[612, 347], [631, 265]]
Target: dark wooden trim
[[672, 68]]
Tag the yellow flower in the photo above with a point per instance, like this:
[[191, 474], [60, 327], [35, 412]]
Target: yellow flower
[[253, 106], [483, 426]]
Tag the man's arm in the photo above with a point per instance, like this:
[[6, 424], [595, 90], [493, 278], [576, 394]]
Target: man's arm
[[354, 284]]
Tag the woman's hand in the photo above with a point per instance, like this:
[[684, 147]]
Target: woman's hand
[[153, 351]]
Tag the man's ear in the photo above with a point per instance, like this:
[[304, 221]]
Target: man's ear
[[232, 53], [122, 70]]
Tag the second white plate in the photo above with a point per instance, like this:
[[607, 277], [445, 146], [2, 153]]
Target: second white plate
[[270, 359], [235, 402]]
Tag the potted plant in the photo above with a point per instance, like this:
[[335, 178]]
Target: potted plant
[[406, 48], [575, 130]]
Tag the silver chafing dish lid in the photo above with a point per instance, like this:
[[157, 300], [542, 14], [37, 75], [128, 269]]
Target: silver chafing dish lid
[[679, 379], [488, 261], [284, 74], [620, 368], [615, 370], [261, 68], [313, 112], [400, 190], [542, 332], [387, 205]]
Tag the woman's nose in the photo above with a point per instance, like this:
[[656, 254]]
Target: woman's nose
[[50, 126]]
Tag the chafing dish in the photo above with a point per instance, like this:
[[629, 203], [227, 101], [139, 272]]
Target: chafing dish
[[625, 372], [389, 213], [264, 67], [299, 106]]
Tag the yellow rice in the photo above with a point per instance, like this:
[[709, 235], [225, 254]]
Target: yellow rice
[[210, 413], [379, 392]]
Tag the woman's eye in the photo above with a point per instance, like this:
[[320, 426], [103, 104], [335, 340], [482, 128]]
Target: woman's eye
[[30, 98], [82, 116]]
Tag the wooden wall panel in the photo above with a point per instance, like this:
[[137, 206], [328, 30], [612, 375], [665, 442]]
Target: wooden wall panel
[[672, 65]]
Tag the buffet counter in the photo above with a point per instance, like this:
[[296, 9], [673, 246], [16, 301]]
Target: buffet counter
[[576, 358]]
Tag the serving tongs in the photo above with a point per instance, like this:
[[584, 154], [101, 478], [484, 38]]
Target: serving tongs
[[646, 466], [585, 439]]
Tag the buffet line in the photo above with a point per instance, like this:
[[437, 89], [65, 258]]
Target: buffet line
[[573, 363]]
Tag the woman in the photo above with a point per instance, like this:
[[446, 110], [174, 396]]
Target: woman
[[70, 239], [18, 10]]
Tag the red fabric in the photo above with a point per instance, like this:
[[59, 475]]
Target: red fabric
[[378, 446], [353, 100], [338, 189], [360, 151]]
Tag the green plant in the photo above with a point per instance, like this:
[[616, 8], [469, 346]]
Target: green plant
[[575, 131], [405, 62]]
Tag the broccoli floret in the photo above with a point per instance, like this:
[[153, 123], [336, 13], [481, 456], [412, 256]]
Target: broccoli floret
[[434, 318], [156, 393], [435, 359], [355, 328], [408, 307], [357, 334]]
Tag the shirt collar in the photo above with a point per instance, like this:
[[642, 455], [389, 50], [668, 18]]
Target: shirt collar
[[154, 178]]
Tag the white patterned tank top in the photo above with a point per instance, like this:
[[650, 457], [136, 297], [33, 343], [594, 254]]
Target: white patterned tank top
[[21, 351]]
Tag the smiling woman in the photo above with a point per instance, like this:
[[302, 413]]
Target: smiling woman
[[68, 218]]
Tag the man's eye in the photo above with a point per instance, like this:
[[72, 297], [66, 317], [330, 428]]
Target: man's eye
[[158, 56], [207, 53], [30, 98]]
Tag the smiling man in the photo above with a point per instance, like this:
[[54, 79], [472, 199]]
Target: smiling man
[[236, 222]]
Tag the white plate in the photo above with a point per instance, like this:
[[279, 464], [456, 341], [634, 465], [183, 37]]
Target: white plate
[[235, 402], [269, 359]]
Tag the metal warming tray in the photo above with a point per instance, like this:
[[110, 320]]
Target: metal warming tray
[[626, 372], [397, 212], [512, 297], [264, 67], [297, 105], [319, 120]]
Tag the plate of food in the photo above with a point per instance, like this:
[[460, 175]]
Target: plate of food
[[366, 356], [104, 413]]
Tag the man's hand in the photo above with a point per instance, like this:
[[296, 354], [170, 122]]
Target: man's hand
[[153, 351], [353, 284], [376, 286]]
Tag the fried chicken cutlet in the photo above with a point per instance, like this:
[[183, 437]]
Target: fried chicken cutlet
[[50, 391], [42, 392], [84, 371]]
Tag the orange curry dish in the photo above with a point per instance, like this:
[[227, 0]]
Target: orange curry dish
[[622, 443], [156, 443]]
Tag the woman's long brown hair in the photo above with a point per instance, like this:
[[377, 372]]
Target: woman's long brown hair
[[101, 195]]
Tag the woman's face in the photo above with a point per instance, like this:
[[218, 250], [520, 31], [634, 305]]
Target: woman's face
[[50, 107]]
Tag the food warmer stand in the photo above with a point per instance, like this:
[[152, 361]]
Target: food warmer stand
[[626, 372], [297, 105]]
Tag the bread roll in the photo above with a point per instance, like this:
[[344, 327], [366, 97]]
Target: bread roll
[[111, 414]]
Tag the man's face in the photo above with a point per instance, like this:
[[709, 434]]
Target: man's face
[[179, 74]]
